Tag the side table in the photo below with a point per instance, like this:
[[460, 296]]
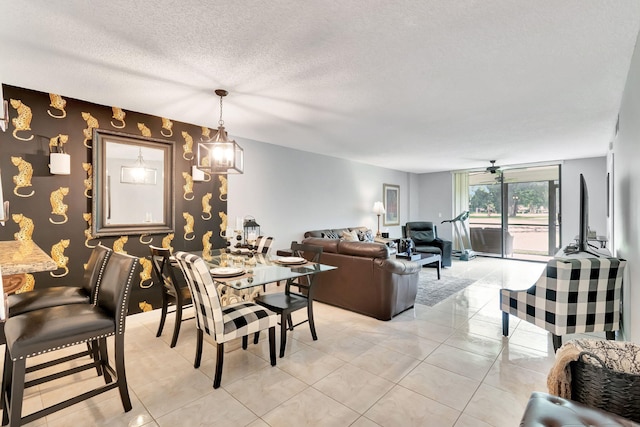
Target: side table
[[425, 259]]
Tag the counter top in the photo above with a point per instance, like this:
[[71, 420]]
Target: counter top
[[18, 257]]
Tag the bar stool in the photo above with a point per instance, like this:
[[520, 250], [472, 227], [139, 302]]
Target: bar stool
[[56, 328]]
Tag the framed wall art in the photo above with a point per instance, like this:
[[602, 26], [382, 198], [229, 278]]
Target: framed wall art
[[391, 196]]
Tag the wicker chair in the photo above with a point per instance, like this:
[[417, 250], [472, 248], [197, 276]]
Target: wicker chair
[[573, 295]]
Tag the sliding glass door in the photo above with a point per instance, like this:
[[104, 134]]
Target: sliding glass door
[[514, 212]]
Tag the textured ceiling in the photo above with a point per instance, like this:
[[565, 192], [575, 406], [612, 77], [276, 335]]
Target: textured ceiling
[[419, 86]]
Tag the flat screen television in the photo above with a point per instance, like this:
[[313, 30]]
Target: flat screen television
[[583, 235]]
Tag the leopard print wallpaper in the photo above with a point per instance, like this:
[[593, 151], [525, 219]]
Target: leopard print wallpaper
[[55, 210]]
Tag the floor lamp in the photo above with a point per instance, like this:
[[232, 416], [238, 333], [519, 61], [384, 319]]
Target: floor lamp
[[378, 209]]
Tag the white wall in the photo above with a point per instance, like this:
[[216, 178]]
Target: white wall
[[626, 182], [435, 201], [290, 191]]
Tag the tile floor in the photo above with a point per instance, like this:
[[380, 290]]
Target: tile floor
[[446, 365]]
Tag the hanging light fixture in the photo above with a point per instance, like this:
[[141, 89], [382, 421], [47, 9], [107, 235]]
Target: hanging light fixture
[[220, 154], [138, 169]]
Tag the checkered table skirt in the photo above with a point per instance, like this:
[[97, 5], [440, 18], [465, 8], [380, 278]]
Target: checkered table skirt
[[573, 295]]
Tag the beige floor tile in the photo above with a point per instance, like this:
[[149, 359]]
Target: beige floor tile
[[386, 363], [309, 365], [468, 421], [516, 380], [311, 408], [441, 385], [171, 393], [354, 387], [461, 362], [477, 344], [364, 422], [486, 329], [411, 345], [237, 364], [106, 413], [265, 389], [496, 407], [403, 407], [217, 408], [539, 361], [342, 345], [533, 340]]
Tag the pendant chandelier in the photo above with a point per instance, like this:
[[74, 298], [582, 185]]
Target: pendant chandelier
[[220, 155]]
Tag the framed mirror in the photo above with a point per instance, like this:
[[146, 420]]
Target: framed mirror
[[132, 184]]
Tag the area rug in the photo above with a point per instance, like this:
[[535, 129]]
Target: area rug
[[431, 290]]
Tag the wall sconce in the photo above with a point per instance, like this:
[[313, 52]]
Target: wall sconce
[[378, 209], [220, 154], [4, 206], [197, 174], [59, 161], [4, 112]]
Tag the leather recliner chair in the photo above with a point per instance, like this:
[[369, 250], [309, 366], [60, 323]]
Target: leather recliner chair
[[425, 238]]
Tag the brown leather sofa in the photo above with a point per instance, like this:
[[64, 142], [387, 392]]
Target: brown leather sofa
[[367, 281]]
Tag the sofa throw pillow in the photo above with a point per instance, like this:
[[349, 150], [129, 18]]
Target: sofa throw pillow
[[350, 236], [330, 235], [368, 236], [365, 236]]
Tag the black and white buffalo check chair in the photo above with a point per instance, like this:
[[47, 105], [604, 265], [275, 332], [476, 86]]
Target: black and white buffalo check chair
[[573, 295], [263, 244], [223, 324]]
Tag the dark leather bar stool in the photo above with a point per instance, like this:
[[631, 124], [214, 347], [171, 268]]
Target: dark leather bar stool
[[172, 292], [62, 295], [55, 328]]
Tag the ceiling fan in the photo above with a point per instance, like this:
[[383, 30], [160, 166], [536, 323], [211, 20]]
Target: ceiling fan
[[493, 168]]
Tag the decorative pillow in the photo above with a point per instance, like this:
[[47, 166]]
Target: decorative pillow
[[330, 235], [350, 236], [365, 236], [368, 236]]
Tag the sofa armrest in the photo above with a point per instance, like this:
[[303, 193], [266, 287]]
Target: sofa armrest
[[398, 266]]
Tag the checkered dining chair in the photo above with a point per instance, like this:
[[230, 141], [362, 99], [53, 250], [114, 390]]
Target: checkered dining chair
[[573, 295], [263, 244], [223, 324]]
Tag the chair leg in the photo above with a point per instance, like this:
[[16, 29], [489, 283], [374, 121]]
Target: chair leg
[[176, 327], [283, 333], [245, 341], [557, 342], [6, 383], [312, 324], [163, 314], [219, 360], [196, 363], [290, 321], [272, 345], [16, 395], [611, 335], [505, 324], [101, 345], [92, 348], [256, 337], [120, 372]]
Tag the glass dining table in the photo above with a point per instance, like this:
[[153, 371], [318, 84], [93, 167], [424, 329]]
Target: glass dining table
[[253, 272]]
